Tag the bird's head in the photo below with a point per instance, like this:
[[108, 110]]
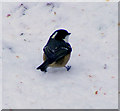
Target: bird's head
[[61, 34]]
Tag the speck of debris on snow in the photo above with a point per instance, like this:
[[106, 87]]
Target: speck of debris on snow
[[54, 13], [102, 33], [82, 9], [53, 20], [104, 93], [50, 4], [25, 40], [113, 77], [21, 34], [17, 57], [90, 76], [96, 92], [105, 66], [8, 15], [100, 88]]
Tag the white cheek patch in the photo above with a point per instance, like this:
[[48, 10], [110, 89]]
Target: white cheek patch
[[66, 38], [54, 35]]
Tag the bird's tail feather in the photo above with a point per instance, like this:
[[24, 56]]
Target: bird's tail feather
[[43, 66]]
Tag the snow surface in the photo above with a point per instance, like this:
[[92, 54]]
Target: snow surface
[[92, 81], [1, 57]]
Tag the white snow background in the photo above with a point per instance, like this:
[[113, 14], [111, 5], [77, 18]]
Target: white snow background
[[91, 82]]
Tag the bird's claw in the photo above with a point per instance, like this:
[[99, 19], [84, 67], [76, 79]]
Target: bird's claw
[[44, 71], [68, 67]]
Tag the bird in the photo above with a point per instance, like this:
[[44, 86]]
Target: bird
[[57, 51]]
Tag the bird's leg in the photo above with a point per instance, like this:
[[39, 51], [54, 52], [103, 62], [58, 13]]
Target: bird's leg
[[68, 67], [45, 71]]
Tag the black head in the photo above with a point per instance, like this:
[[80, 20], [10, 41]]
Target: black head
[[60, 34]]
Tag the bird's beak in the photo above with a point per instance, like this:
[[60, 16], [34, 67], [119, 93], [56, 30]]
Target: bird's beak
[[69, 33]]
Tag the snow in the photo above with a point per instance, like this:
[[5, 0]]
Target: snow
[[94, 39], [1, 57]]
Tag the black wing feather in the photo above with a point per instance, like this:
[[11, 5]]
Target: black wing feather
[[55, 53]]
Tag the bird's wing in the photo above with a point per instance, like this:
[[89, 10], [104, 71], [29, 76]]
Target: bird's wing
[[61, 52], [54, 55]]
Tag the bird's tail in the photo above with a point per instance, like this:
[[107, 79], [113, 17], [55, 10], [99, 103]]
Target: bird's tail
[[43, 66]]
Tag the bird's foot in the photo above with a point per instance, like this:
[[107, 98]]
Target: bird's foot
[[68, 67], [45, 70]]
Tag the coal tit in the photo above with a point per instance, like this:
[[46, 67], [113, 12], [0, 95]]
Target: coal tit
[[57, 51]]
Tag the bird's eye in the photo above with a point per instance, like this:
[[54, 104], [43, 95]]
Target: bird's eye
[[54, 35]]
